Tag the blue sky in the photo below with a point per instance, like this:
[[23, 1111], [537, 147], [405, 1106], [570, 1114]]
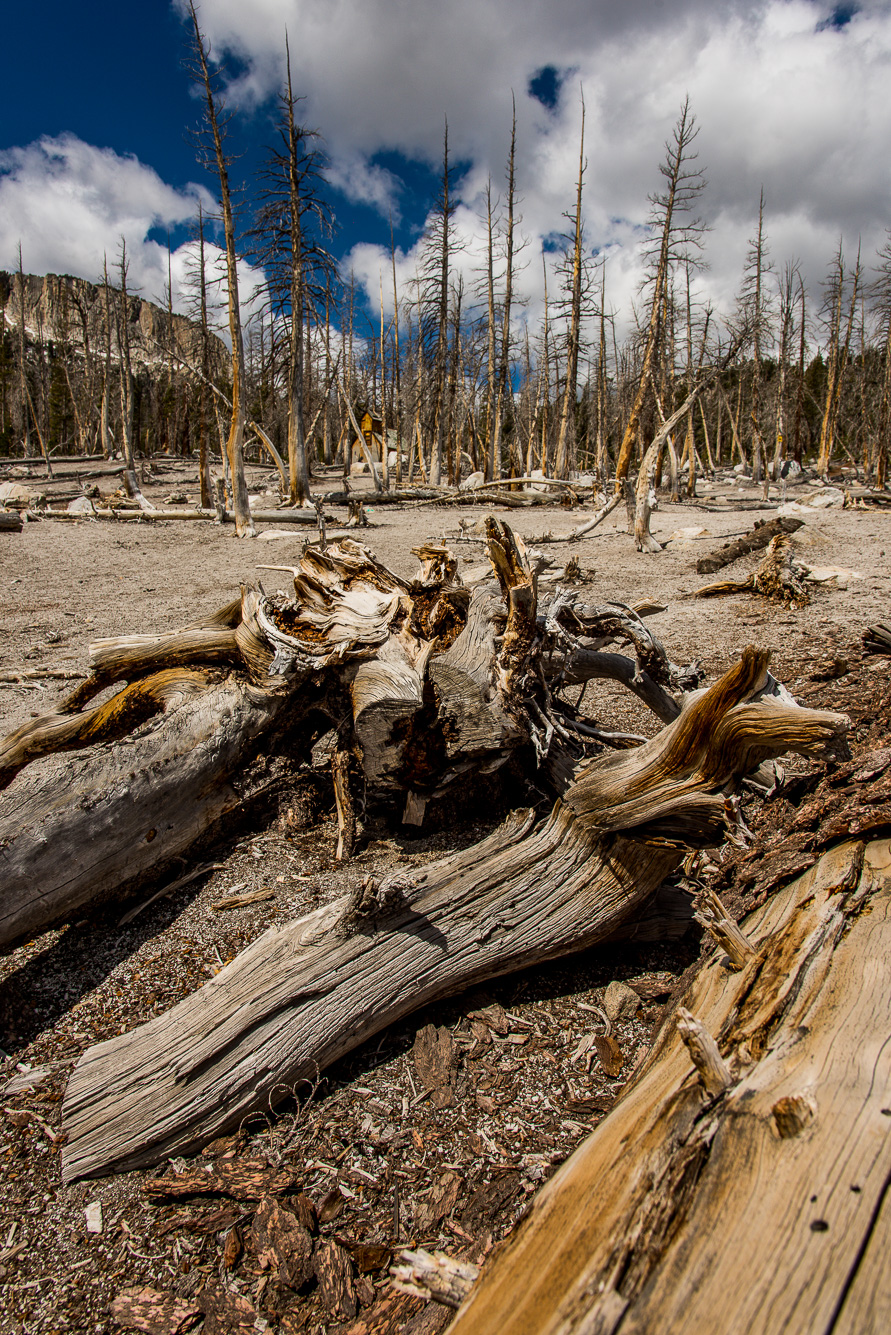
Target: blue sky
[[790, 94]]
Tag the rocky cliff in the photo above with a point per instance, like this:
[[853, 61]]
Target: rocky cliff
[[71, 311]]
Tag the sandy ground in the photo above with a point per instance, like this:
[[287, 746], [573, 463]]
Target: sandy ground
[[368, 1150]]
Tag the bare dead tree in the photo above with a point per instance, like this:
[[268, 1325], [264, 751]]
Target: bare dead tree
[[215, 120]]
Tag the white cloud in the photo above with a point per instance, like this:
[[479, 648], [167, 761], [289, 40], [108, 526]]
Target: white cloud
[[784, 100], [70, 203]]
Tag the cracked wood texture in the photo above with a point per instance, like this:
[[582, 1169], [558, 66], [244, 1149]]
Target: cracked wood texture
[[76, 829], [305, 994], [765, 1209]]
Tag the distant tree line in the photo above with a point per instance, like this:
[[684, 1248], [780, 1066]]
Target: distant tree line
[[461, 379]]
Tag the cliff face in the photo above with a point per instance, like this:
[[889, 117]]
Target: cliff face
[[66, 310]]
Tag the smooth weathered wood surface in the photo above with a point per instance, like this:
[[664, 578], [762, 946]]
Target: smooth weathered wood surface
[[305, 994], [74, 828], [687, 1213]]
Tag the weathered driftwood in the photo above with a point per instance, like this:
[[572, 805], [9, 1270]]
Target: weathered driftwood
[[426, 683], [760, 536], [760, 1208], [778, 577], [305, 994], [414, 674], [161, 515]]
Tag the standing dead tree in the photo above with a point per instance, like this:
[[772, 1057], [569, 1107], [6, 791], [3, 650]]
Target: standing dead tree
[[426, 684], [684, 184], [244, 525]]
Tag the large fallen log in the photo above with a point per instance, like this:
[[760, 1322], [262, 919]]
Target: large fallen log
[[303, 995], [760, 536], [750, 1198], [426, 684]]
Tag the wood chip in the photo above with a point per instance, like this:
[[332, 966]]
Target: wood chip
[[284, 1247], [226, 1312], [239, 901], [610, 1054], [440, 1202], [334, 1271], [435, 1060], [150, 1310], [243, 1180]]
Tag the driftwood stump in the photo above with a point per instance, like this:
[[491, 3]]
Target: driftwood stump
[[426, 684]]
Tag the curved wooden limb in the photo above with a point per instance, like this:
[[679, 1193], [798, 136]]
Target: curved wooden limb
[[117, 717], [763, 1207], [305, 994], [589, 664], [209, 640], [674, 786]]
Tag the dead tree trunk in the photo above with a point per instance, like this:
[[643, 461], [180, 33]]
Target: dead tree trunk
[[752, 1196], [428, 686]]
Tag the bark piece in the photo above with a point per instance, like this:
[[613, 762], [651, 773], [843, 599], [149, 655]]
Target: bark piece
[[242, 1179], [487, 1201], [226, 1312], [435, 1059], [334, 1271], [284, 1247], [434, 1275], [438, 1204], [610, 1055], [155, 1313]]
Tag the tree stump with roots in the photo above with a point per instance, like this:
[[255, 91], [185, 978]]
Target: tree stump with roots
[[427, 685]]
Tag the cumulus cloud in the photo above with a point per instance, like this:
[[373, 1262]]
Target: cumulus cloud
[[790, 94], [69, 204]]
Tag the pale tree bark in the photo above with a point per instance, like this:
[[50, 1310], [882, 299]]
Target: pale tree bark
[[507, 306], [244, 524], [683, 185], [566, 432], [298, 471], [24, 396], [838, 358]]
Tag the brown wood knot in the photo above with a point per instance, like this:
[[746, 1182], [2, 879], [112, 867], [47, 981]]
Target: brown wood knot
[[370, 902], [150, 836], [792, 1114]]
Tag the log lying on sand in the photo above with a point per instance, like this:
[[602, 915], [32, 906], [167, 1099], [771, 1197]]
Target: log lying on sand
[[414, 674], [779, 577], [303, 995], [761, 534], [761, 1205], [426, 684]]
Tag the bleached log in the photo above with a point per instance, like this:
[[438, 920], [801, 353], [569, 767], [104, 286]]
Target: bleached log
[[307, 993], [767, 1211]]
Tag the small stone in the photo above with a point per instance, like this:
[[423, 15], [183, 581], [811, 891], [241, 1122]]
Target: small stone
[[620, 1001]]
